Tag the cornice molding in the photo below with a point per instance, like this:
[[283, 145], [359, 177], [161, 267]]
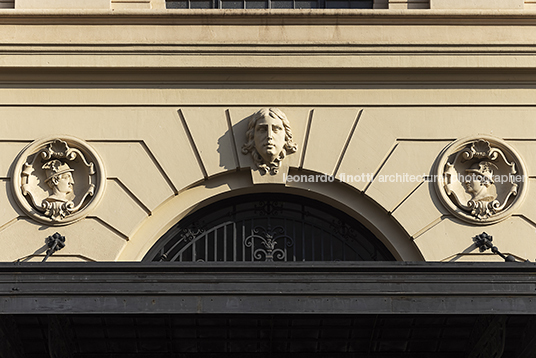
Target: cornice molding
[[269, 17], [319, 287], [298, 77]]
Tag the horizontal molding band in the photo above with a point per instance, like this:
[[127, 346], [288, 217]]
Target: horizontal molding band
[[263, 96], [295, 16], [321, 62], [335, 288], [270, 78]]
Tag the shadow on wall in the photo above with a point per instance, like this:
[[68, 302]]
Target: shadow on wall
[[230, 144]]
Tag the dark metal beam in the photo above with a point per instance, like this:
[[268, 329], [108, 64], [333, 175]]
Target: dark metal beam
[[334, 288]]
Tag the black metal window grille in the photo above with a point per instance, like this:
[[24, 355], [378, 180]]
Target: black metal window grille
[[269, 4], [268, 227]]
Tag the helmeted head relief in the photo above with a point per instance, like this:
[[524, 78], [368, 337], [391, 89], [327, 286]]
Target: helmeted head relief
[[59, 179], [55, 168], [484, 170]]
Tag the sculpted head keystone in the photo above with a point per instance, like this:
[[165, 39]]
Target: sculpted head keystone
[[269, 139]]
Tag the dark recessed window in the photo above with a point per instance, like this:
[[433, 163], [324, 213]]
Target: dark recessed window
[[268, 227], [269, 4]]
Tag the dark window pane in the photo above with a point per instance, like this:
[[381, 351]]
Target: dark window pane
[[282, 4], [360, 4], [232, 5], [200, 4], [181, 4], [306, 4], [255, 4], [335, 4]]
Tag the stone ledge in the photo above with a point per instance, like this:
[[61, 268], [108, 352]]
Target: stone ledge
[[477, 4], [257, 287], [62, 4]]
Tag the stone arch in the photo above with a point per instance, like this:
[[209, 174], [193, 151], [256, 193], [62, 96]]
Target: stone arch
[[337, 195]]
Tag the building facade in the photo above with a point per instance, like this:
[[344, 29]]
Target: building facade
[[191, 131], [160, 98]]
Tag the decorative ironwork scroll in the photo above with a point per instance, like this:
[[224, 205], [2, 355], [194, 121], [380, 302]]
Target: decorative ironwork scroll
[[269, 238]]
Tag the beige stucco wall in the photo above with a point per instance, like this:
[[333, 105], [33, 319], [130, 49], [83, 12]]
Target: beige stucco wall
[[163, 99], [83, 4]]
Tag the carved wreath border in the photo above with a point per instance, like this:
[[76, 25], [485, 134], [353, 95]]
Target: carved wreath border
[[460, 145], [39, 146]]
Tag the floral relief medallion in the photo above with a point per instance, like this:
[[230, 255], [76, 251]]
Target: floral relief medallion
[[58, 180], [481, 179]]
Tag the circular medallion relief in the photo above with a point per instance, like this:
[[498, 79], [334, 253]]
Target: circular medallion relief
[[58, 180], [481, 179]]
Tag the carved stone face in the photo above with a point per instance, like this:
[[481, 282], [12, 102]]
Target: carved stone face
[[480, 188], [269, 138], [474, 185], [62, 186], [65, 183]]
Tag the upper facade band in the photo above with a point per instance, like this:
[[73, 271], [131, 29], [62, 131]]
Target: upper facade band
[[303, 4]]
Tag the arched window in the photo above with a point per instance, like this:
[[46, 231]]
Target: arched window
[[268, 227]]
